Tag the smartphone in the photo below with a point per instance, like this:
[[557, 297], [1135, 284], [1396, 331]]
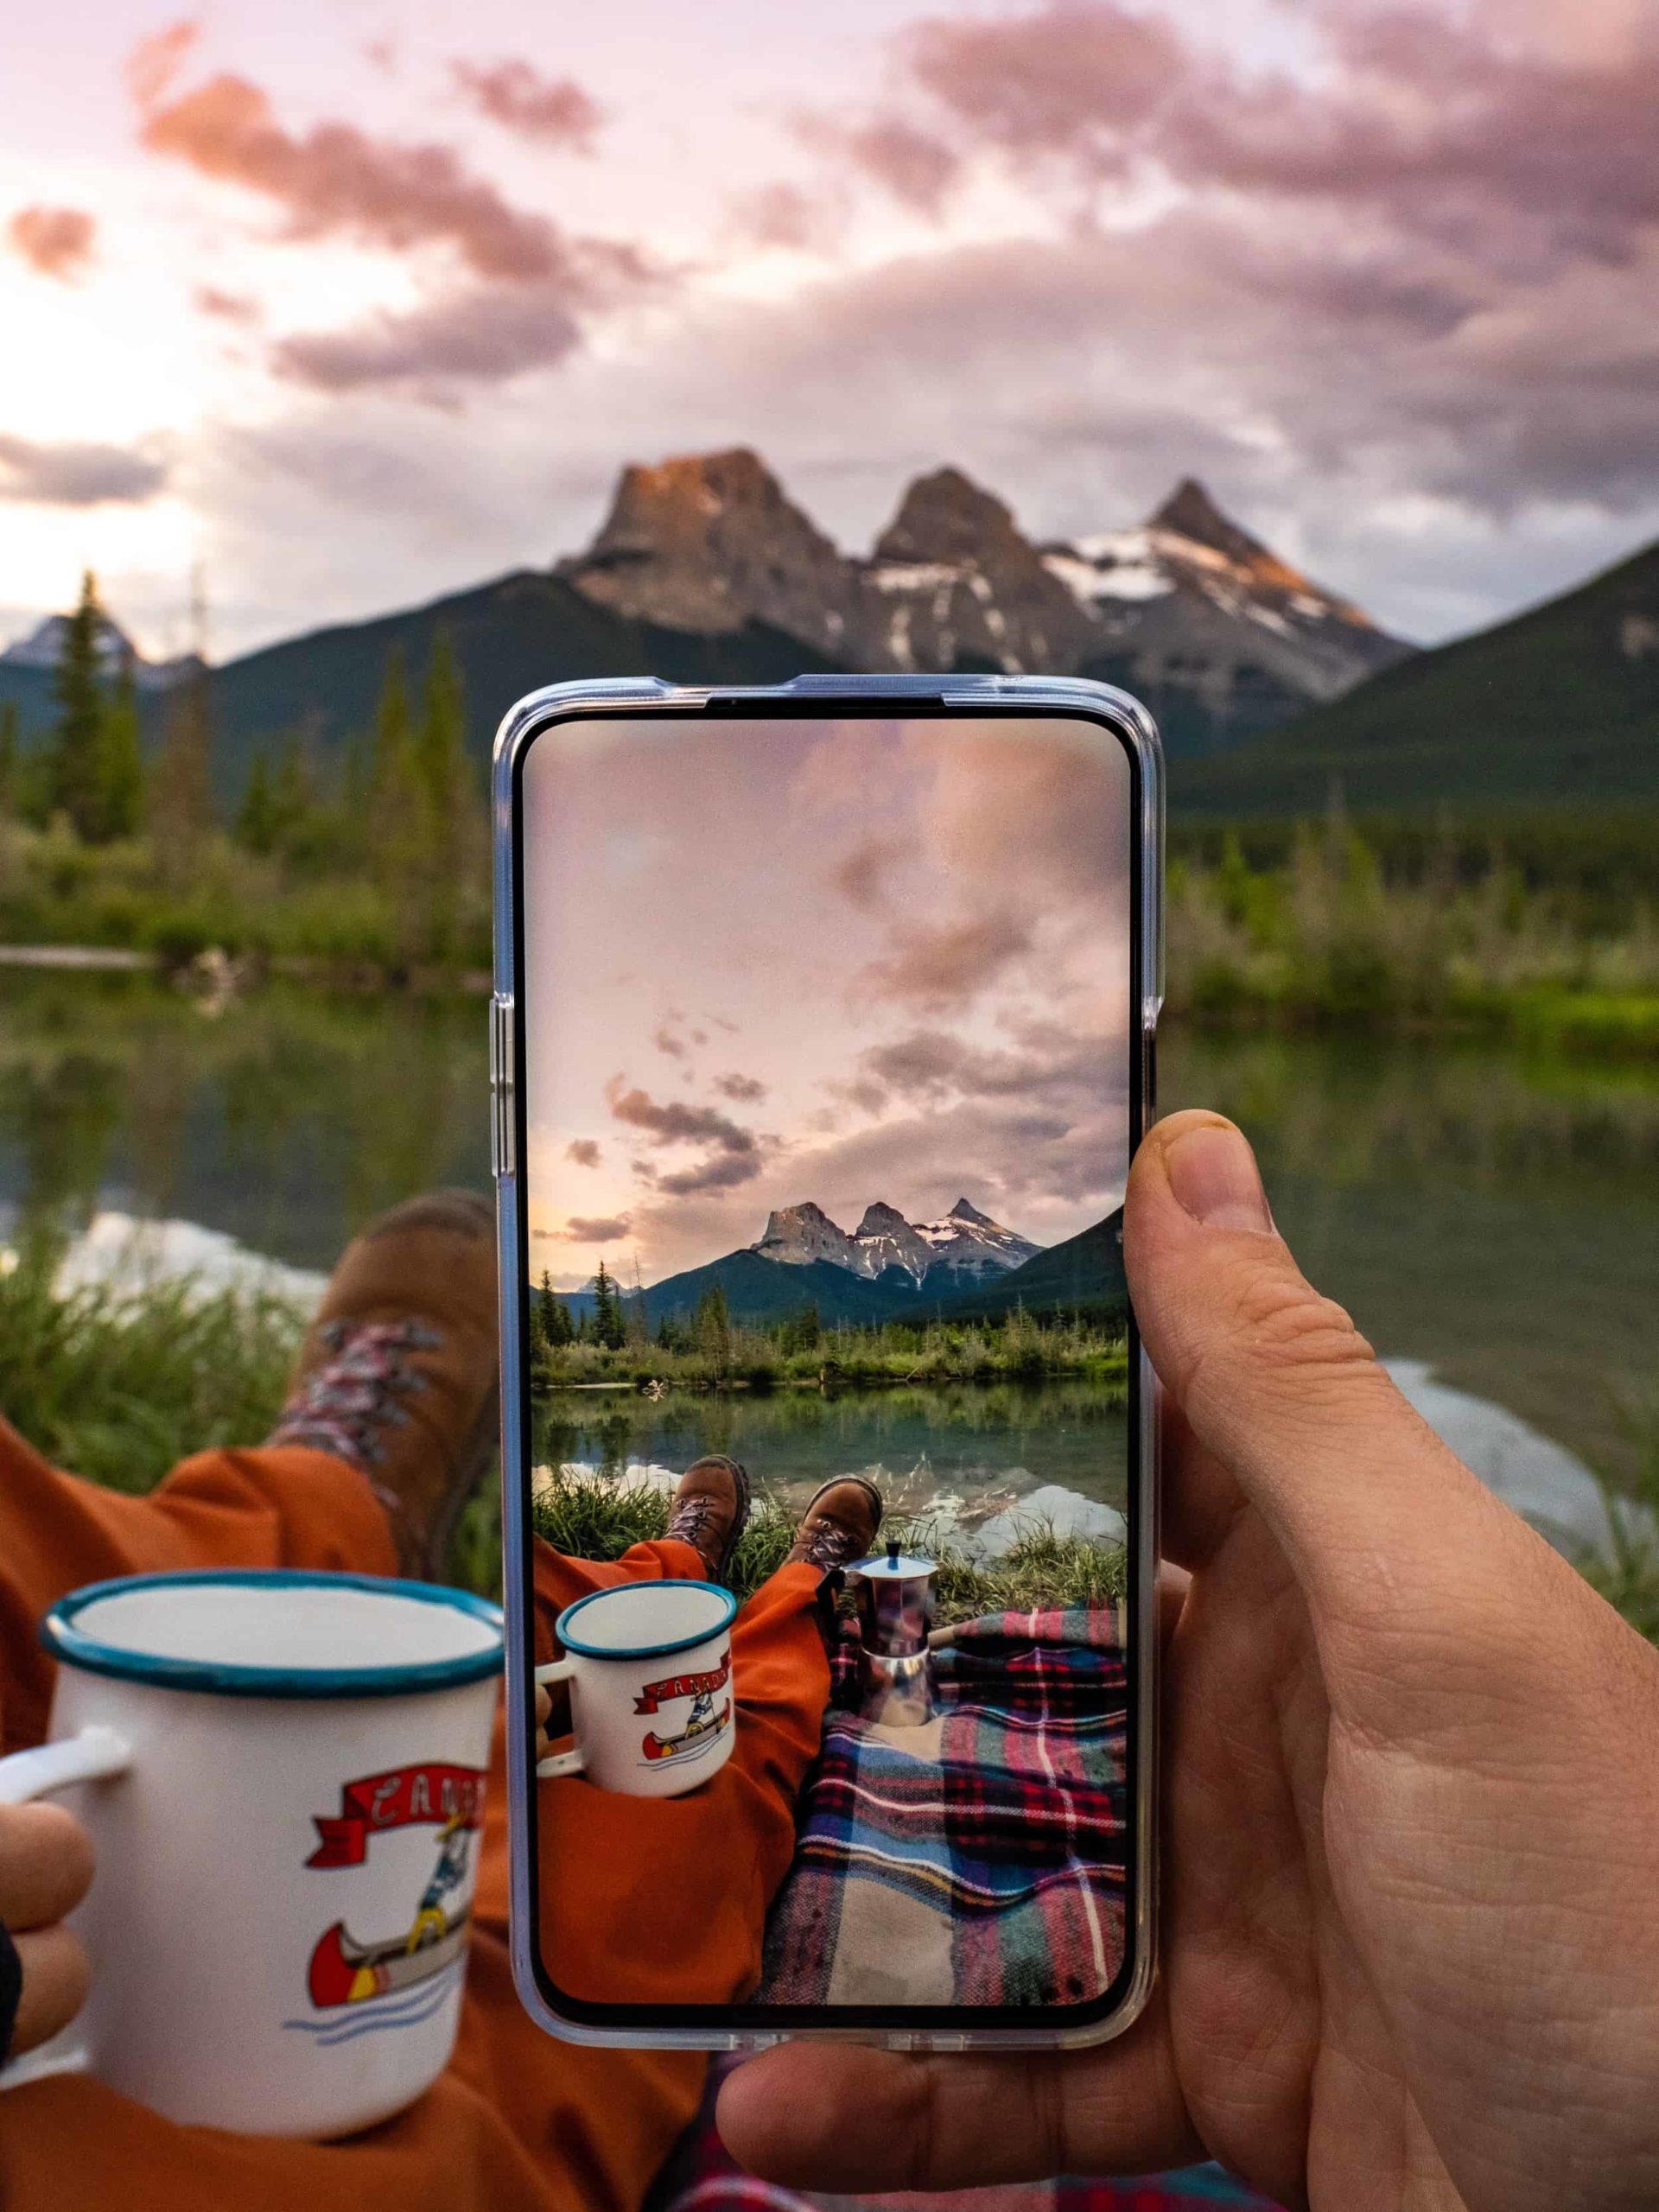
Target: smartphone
[[822, 1036]]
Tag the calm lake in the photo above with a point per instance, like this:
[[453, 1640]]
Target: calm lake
[[1492, 1215]]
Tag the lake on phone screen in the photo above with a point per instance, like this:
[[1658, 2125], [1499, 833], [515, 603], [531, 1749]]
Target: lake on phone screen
[[1491, 1215]]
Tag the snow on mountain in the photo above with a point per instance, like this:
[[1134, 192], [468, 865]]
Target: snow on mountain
[[42, 647], [1218, 634], [966, 1246]]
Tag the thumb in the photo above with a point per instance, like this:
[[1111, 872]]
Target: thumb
[[1282, 1394]]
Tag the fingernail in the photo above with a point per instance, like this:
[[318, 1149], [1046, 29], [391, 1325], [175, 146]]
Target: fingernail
[[1213, 1174]]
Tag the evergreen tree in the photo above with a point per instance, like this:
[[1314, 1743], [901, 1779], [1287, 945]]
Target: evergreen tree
[[295, 798], [554, 1314], [610, 1324], [10, 760], [76, 758], [257, 821], [398, 824], [802, 1330], [713, 1328], [121, 761], [455, 846]]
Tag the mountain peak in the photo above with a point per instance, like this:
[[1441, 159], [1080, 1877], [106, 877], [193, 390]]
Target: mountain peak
[[879, 1216], [946, 517], [964, 1210], [1190, 512], [710, 542]]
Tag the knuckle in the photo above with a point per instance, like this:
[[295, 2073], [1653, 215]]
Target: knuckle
[[1283, 1322]]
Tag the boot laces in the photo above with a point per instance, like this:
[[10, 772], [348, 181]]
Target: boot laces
[[348, 1403]]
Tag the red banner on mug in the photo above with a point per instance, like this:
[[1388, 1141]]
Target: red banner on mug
[[673, 1685], [402, 1797]]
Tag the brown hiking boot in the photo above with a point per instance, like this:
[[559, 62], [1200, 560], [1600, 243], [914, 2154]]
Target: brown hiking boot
[[398, 1372], [839, 1524], [711, 1504]]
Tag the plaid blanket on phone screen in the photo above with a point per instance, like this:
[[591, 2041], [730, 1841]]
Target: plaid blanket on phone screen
[[978, 1860]]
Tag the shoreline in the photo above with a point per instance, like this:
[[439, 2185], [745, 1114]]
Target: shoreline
[[1615, 1025]]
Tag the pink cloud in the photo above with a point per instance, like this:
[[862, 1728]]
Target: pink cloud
[[77, 473], [945, 964], [592, 1228], [54, 241], [335, 180], [551, 111]]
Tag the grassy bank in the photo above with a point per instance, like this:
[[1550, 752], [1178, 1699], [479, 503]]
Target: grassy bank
[[1317, 925], [1327, 935], [325, 910], [1017, 1349]]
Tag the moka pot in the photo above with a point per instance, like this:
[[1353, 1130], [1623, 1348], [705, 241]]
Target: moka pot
[[895, 1611]]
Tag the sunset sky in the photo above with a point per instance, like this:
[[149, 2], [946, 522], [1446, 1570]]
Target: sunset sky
[[355, 301], [775, 961]]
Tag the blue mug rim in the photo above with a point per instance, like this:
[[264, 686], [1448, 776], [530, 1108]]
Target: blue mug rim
[[73, 1646], [654, 1650]]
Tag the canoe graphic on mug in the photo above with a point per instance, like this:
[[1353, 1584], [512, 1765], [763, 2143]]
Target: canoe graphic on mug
[[346, 1971], [698, 1734]]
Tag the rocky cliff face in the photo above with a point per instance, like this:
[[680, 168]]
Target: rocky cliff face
[[795, 1235], [710, 542], [1217, 633]]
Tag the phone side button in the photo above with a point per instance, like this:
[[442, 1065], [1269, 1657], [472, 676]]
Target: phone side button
[[501, 1085]]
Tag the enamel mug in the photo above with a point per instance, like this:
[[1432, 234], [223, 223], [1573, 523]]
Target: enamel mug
[[649, 1664], [283, 1775]]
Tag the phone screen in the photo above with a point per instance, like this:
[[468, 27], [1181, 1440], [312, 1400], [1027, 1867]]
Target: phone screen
[[828, 1091]]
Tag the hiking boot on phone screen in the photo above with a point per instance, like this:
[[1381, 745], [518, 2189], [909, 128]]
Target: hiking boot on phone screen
[[839, 1524], [709, 1508], [398, 1372]]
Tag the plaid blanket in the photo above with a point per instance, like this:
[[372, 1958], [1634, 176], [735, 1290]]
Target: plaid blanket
[[979, 1859], [700, 2177]]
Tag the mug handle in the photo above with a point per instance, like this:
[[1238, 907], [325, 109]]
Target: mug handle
[[35, 1773], [547, 1770]]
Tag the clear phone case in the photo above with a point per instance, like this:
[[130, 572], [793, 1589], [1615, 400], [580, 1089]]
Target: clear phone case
[[963, 696]]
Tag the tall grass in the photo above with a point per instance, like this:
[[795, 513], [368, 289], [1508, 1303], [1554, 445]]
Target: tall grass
[[1325, 936], [118, 1384]]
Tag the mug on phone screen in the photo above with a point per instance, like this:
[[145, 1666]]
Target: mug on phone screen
[[282, 1774], [650, 1668]]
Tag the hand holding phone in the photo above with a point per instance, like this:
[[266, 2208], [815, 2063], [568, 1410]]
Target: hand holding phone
[[1412, 1938]]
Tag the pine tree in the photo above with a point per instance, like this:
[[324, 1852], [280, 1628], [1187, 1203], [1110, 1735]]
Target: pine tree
[[398, 825], [554, 1314], [121, 761], [610, 1326], [455, 842], [295, 799], [77, 736], [257, 825], [10, 760], [713, 1328]]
